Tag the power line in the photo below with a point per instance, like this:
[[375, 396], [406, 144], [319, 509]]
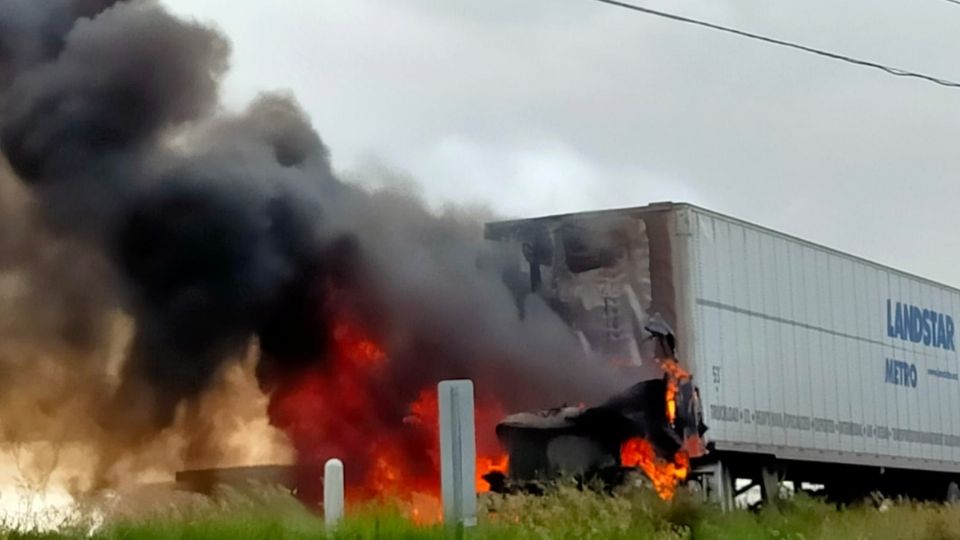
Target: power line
[[953, 1], [820, 52]]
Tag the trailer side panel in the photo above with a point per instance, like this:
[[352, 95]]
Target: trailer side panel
[[807, 353]]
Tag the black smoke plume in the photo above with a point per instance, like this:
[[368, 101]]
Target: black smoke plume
[[219, 228]]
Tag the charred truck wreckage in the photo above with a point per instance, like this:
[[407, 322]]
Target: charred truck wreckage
[[613, 293], [656, 426], [600, 275], [609, 280]]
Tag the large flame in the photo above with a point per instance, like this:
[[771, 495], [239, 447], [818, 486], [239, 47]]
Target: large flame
[[675, 375], [638, 452], [349, 408], [425, 412], [665, 475]]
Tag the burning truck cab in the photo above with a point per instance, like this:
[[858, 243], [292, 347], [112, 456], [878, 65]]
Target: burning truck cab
[[628, 432], [610, 277]]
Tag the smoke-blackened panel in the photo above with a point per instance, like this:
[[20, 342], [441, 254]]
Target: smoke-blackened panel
[[603, 279], [606, 275]]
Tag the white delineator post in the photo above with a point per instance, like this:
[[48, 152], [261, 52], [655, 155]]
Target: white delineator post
[[333, 492], [458, 453]]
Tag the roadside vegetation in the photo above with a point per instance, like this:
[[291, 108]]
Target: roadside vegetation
[[566, 513]]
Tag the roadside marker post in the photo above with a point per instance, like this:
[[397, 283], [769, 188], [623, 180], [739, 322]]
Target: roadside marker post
[[458, 453], [333, 505]]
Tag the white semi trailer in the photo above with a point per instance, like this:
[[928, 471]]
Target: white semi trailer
[[813, 365]]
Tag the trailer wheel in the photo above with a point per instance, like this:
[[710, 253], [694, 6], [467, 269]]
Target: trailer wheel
[[953, 493]]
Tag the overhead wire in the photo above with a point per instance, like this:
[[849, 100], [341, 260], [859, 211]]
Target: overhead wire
[[783, 43]]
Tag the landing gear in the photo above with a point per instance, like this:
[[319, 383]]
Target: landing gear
[[769, 484], [715, 484], [952, 495], [737, 483]]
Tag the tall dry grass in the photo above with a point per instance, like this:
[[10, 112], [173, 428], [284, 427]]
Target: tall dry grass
[[564, 513]]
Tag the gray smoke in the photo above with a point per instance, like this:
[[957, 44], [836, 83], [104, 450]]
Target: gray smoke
[[218, 228], [33, 32]]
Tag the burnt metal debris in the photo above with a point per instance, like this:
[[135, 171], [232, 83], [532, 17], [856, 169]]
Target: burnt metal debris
[[585, 442]]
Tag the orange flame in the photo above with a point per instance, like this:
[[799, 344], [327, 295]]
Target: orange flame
[[349, 407], [486, 465], [664, 475], [638, 452], [425, 411], [357, 346], [676, 375]]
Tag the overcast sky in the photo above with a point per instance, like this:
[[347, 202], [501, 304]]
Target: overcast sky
[[542, 106]]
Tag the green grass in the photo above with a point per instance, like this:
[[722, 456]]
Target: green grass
[[566, 514]]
